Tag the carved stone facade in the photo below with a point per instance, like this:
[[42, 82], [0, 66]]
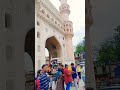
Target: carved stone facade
[[13, 32], [55, 30]]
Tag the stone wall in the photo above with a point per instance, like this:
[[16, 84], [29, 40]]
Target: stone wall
[[30, 81]]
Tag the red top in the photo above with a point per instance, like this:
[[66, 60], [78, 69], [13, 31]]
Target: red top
[[38, 84], [67, 76]]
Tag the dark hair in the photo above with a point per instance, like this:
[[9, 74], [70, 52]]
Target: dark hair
[[38, 72], [44, 65], [72, 64], [62, 65], [89, 88], [66, 65]]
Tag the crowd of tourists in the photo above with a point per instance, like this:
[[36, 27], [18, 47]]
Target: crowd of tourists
[[61, 78]]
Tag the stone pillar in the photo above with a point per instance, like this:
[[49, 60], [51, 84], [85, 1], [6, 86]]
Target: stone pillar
[[42, 54], [37, 56], [70, 53], [89, 66], [19, 63]]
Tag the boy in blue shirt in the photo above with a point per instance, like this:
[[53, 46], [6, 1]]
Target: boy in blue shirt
[[74, 75]]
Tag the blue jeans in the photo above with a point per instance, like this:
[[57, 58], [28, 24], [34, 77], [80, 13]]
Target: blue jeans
[[83, 79], [68, 85]]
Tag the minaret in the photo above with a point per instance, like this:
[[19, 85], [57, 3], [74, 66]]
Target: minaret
[[68, 29], [64, 10]]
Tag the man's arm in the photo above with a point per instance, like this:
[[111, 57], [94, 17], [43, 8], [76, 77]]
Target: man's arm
[[73, 70], [67, 73]]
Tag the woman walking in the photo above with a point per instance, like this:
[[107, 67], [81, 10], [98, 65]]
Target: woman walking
[[59, 78]]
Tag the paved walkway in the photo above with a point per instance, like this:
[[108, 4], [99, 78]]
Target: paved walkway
[[81, 86]]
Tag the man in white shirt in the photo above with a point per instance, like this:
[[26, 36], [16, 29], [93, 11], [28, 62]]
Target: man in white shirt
[[83, 73]]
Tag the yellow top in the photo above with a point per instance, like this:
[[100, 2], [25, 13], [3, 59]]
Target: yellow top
[[79, 69]]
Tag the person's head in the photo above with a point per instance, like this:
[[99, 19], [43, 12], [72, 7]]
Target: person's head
[[66, 66], [78, 65], [61, 66], [38, 73], [72, 64], [45, 68]]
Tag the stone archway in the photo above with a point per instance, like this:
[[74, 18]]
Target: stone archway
[[29, 57], [30, 44], [54, 48]]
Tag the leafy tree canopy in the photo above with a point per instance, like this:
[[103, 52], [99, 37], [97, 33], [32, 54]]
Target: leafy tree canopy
[[110, 50], [80, 48]]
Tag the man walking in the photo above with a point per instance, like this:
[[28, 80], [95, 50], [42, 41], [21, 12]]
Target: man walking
[[83, 73], [44, 78], [74, 75]]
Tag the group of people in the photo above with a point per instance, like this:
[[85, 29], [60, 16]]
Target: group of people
[[62, 77]]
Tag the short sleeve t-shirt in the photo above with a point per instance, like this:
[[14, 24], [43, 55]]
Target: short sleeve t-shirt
[[78, 69], [74, 75], [67, 77]]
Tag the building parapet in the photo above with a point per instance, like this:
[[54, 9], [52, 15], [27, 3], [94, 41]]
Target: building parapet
[[50, 22], [51, 8]]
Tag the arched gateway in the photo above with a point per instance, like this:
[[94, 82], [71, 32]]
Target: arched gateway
[[54, 48], [29, 59], [53, 31]]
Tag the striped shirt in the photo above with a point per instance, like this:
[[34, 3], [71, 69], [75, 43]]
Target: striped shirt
[[44, 81]]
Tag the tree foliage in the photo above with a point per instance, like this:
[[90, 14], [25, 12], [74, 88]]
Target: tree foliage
[[110, 50], [80, 48]]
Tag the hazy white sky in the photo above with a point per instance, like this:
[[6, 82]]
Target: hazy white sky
[[77, 16]]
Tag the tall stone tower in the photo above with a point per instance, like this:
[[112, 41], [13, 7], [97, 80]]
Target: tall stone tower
[[68, 28]]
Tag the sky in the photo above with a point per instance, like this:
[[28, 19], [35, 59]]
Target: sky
[[106, 18], [77, 16]]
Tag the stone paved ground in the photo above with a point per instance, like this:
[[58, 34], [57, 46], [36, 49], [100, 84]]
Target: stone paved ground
[[81, 86]]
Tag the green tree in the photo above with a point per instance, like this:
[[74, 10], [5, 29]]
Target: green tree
[[110, 50], [80, 48], [117, 43], [106, 53]]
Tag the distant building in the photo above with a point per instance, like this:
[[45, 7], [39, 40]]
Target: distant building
[[79, 57]]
